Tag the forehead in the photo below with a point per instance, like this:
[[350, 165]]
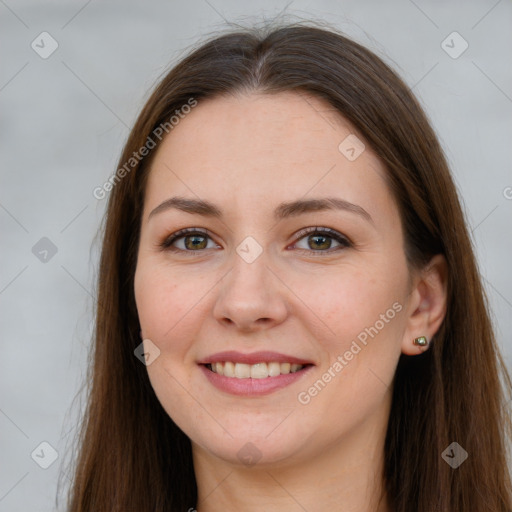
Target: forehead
[[267, 148]]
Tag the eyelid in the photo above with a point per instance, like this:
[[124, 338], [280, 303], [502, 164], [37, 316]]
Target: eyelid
[[166, 244], [319, 229], [344, 241]]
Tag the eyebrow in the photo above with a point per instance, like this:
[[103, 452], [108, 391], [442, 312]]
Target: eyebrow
[[283, 211]]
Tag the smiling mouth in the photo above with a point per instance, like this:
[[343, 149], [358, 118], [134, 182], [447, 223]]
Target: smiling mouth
[[254, 371]]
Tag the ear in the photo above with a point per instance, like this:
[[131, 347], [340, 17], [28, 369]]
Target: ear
[[427, 305]]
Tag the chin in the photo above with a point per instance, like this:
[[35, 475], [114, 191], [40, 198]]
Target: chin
[[245, 448], [252, 452]]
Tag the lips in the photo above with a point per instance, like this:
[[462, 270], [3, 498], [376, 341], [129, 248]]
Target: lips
[[253, 358], [255, 371], [253, 374], [253, 387]]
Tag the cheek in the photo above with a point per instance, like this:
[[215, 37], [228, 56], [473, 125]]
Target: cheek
[[354, 300], [163, 300], [165, 304], [172, 307], [363, 324]]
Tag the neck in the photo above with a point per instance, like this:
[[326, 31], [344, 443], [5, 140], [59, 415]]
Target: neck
[[347, 477]]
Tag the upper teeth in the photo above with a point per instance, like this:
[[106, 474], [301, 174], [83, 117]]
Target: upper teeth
[[254, 371]]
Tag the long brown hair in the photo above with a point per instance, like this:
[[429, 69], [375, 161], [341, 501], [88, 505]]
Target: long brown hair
[[131, 454]]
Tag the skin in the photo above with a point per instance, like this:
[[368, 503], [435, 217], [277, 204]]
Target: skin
[[246, 154]]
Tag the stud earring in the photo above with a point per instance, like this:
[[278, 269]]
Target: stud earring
[[421, 341]]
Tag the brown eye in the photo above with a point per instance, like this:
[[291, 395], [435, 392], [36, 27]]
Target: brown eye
[[187, 240], [194, 242], [321, 240], [318, 240]]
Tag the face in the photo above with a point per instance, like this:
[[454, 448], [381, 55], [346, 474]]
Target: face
[[326, 288]]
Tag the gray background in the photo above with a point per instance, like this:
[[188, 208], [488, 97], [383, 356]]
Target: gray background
[[64, 120]]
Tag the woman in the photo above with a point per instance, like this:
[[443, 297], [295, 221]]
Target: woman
[[290, 315]]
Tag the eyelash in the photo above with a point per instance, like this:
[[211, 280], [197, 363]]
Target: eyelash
[[166, 244]]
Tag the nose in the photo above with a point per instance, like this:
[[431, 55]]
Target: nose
[[251, 296]]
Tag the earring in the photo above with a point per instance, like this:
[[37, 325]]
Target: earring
[[421, 341]]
